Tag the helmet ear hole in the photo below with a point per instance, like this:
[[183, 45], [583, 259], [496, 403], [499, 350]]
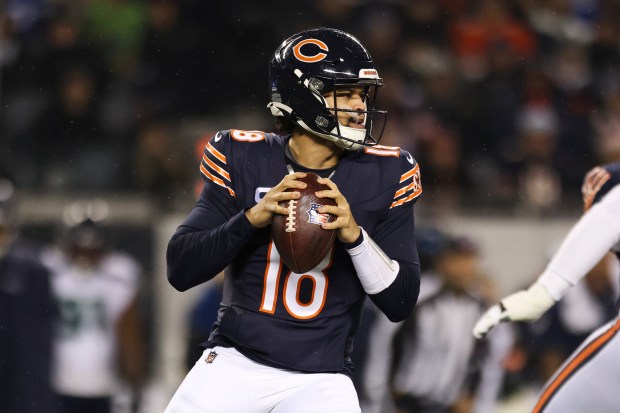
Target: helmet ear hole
[[313, 62], [316, 84]]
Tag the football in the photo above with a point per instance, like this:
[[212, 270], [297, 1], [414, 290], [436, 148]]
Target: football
[[298, 236]]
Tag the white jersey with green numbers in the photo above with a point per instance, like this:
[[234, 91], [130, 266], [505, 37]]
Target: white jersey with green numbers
[[90, 302]]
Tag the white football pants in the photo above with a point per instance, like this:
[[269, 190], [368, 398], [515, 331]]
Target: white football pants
[[231, 383], [589, 380]]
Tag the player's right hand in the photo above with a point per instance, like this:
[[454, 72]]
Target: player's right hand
[[261, 214], [492, 317], [525, 305]]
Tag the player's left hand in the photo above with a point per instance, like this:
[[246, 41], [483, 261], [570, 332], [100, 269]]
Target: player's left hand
[[347, 229]]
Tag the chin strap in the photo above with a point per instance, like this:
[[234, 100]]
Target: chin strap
[[279, 109], [354, 134]]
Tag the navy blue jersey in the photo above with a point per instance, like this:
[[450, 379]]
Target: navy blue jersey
[[304, 322]]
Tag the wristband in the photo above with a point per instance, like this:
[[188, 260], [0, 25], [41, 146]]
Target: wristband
[[375, 270]]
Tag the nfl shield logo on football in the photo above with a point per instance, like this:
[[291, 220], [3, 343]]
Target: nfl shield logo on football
[[315, 218], [210, 357]]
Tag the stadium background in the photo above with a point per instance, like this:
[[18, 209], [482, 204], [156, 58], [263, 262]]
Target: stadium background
[[505, 104]]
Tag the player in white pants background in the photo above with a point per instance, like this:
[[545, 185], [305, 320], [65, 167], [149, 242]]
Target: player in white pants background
[[589, 380]]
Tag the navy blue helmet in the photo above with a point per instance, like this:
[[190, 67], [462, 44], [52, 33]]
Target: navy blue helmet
[[311, 63], [598, 182]]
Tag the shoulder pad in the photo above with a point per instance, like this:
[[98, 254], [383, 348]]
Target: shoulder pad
[[214, 166], [227, 137], [227, 148], [406, 172], [410, 180], [388, 152]]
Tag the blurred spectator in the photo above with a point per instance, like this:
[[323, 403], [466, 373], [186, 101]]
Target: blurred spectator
[[171, 62], [27, 16], [491, 22], [559, 21], [99, 335], [441, 148], [489, 125], [65, 49], [607, 126], [9, 43], [333, 13], [538, 182], [471, 64], [158, 166], [426, 20], [26, 317], [69, 147], [575, 101], [379, 27], [603, 52], [122, 40]]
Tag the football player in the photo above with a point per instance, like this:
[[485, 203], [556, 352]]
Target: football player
[[282, 342], [26, 316], [589, 379], [98, 336]]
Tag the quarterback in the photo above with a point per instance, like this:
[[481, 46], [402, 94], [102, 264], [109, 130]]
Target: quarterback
[[282, 341]]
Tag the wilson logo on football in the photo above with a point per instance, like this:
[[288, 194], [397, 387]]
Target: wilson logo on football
[[314, 217], [317, 57]]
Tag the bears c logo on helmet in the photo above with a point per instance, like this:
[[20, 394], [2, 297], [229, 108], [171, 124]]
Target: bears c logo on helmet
[[312, 58], [592, 183]]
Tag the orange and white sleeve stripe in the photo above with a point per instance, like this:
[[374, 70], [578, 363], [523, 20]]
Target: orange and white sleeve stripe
[[214, 168], [411, 187]]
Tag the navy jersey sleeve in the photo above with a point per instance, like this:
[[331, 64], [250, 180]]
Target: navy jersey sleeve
[[216, 229], [395, 235]]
